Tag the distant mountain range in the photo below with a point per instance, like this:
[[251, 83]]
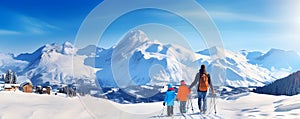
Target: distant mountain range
[[137, 60]]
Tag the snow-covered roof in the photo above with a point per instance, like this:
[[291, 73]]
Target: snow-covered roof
[[11, 85], [7, 86], [24, 83]]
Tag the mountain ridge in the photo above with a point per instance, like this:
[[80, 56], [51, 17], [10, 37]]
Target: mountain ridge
[[145, 62]]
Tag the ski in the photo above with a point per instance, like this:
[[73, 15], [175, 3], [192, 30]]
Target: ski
[[183, 115]]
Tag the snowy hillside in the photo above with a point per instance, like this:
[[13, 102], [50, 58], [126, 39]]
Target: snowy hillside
[[136, 60], [36, 106], [56, 64], [289, 85], [280, 62], [8, 62], [239, 72], [90, 51]]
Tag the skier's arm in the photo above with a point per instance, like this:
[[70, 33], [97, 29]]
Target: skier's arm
[[210, 85], [179, 91], [188, 91], [195, 81], [166, 97]]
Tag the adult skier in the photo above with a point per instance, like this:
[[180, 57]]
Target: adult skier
[[204, 82]]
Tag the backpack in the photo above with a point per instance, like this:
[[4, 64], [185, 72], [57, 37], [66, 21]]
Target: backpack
[[203, 82]]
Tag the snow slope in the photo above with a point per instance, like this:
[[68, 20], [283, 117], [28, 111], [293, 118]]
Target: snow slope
[[8, 62], [18, 105], [280, 62], [239, 72], [56, 64], [136, 60], [35, 106]]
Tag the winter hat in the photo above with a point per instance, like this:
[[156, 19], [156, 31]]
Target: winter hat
[[182, 82], [170, 86], [202, 66], [203, 69]]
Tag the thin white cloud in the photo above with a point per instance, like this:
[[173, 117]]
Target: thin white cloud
[[9, 32], [243, 17], [232, 16], [36, 26]]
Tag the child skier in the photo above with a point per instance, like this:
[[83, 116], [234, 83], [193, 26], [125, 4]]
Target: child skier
[[182, 96], [169, 99]]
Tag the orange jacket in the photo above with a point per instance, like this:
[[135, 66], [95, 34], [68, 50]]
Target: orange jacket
[[183, 92]]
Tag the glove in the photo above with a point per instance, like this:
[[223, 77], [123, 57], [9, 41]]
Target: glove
[[212, 92], [164, 104]]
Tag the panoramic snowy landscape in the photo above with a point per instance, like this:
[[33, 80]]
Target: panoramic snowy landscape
[[55, 63], [102, 96], [120, 59]]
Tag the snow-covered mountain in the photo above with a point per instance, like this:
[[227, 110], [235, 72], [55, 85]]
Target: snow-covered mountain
[[276, 58], [238, 71], [280, 62], [289, 85], [7, 61], [56, 64], [137, 60]]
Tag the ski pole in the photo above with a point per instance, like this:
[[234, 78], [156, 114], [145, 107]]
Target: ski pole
[[162, 112], [191, 101], [178, 102], [215, 104]]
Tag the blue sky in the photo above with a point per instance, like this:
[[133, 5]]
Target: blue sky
[[247, 24]]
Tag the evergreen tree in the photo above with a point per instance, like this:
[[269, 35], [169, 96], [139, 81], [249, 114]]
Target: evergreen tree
[[14, 79], [3, 77], [8, 76]]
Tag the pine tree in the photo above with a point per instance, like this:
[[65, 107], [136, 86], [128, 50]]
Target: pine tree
[[14, 79], [3, 77], [8, 76]]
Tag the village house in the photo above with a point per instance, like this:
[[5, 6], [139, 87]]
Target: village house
[[27, 87], [11, 87]]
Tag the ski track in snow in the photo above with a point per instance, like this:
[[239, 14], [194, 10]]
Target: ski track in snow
[[34, 106], [286, 108]]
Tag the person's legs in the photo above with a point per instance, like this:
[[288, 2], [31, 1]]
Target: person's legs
[[169, 110], [182, 106], [204, 101], [199, 101]]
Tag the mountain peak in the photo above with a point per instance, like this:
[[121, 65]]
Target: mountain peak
[[133, 40], [68, 48], [278, 53], [69, 44], [215, 50], [137, 35]]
